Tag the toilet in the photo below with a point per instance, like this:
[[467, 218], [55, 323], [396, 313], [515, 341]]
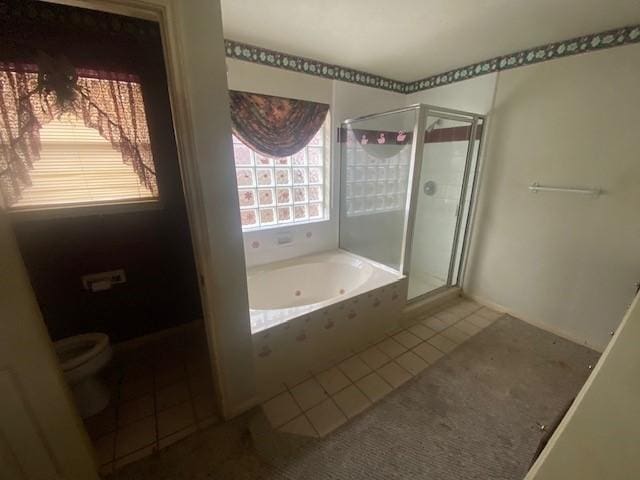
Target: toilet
[[81, 358]]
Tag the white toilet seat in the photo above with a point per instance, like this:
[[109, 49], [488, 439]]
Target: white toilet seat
[[79, 349]]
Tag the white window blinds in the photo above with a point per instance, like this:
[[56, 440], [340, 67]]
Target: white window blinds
[[77, 166]]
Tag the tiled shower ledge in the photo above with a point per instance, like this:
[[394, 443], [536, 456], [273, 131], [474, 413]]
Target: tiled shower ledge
[[322, 402]]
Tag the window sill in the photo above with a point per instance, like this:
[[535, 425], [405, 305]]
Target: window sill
[[82, 210]]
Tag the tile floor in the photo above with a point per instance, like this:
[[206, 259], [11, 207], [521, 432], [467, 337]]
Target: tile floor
[[322, 402], [161, 393]]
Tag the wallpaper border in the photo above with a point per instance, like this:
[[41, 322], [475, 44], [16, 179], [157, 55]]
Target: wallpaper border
[[574, 46]]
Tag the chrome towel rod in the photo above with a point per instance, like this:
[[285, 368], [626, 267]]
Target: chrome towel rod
[[536, 187]]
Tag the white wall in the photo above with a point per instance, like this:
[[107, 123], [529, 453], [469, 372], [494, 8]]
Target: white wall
[[345, 100], [474, 95], [204, 135], [565, 262]]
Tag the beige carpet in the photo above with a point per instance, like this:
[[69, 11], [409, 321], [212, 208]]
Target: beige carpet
[[475, 414]]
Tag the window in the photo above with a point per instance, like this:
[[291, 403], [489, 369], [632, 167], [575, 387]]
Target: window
[[287, 190], [77, 166]]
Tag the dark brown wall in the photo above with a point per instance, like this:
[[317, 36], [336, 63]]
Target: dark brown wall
[[152, 246]]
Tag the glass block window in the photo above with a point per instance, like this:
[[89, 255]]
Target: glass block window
[[287, 190], [375, 183]]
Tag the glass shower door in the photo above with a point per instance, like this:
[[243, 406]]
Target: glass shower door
[[442, 198], [376, 169]]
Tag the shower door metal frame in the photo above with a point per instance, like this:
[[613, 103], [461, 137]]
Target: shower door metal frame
[[460, 116], [413, 187]]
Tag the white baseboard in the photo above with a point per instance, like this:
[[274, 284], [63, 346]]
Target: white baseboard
[[531, 321]]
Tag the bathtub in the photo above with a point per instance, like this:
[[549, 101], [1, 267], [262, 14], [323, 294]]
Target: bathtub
[[282, 291]]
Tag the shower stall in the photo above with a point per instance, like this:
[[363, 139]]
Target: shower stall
[[406, 188]]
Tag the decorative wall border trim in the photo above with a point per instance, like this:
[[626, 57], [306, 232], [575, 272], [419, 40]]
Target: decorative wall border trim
[[542, 53], [294, 63], [565, 48]]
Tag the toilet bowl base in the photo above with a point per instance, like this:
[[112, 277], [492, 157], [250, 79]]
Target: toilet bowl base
[[91, 396]]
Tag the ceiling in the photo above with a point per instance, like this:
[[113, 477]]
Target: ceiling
[[411, 39]]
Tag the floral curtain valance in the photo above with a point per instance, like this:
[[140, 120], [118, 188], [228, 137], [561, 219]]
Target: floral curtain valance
[[31, 96], [275, 126]]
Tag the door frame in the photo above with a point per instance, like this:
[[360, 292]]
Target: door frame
[[164, 12]]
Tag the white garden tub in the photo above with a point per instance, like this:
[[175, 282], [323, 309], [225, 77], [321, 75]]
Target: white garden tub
[[281, 291]]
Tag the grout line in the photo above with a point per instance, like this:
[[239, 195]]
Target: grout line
[[155, 402], [191, 396]]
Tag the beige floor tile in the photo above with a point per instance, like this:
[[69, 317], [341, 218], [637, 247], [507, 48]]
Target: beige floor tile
[[204, 406], [471, 305], [448, 318], [407, 339], [176, 437], [105, 448], [135, 370], [102, 423], [461, 310], [299, 426], [270, 390], [308, 394], [391, 348], [170, 374], [354, 368], [434, 323], [332, 380], [421, 331], [326, 417], [281, 409], [479, 321], [455, 334], [374, 387], [412, 363], [468, 327], [201, 382], [428, 352], [489, 314], [106, 469], [135, 409], [136, 388], [135, 456], [172, 395], [351, 401], [294, 379], [442, 343], [394, 374], [175, 418], [135, 436], [374, 357]]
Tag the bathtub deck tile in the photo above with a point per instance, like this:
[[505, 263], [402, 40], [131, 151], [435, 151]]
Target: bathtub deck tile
[[281, 409], [351, 401], [332, 380], [374, 387], [374, 357], [394, 374], [308, 394], [299, 426], [326, 417], [354, 368], [406, 339], [391, 348], [442, 343]]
